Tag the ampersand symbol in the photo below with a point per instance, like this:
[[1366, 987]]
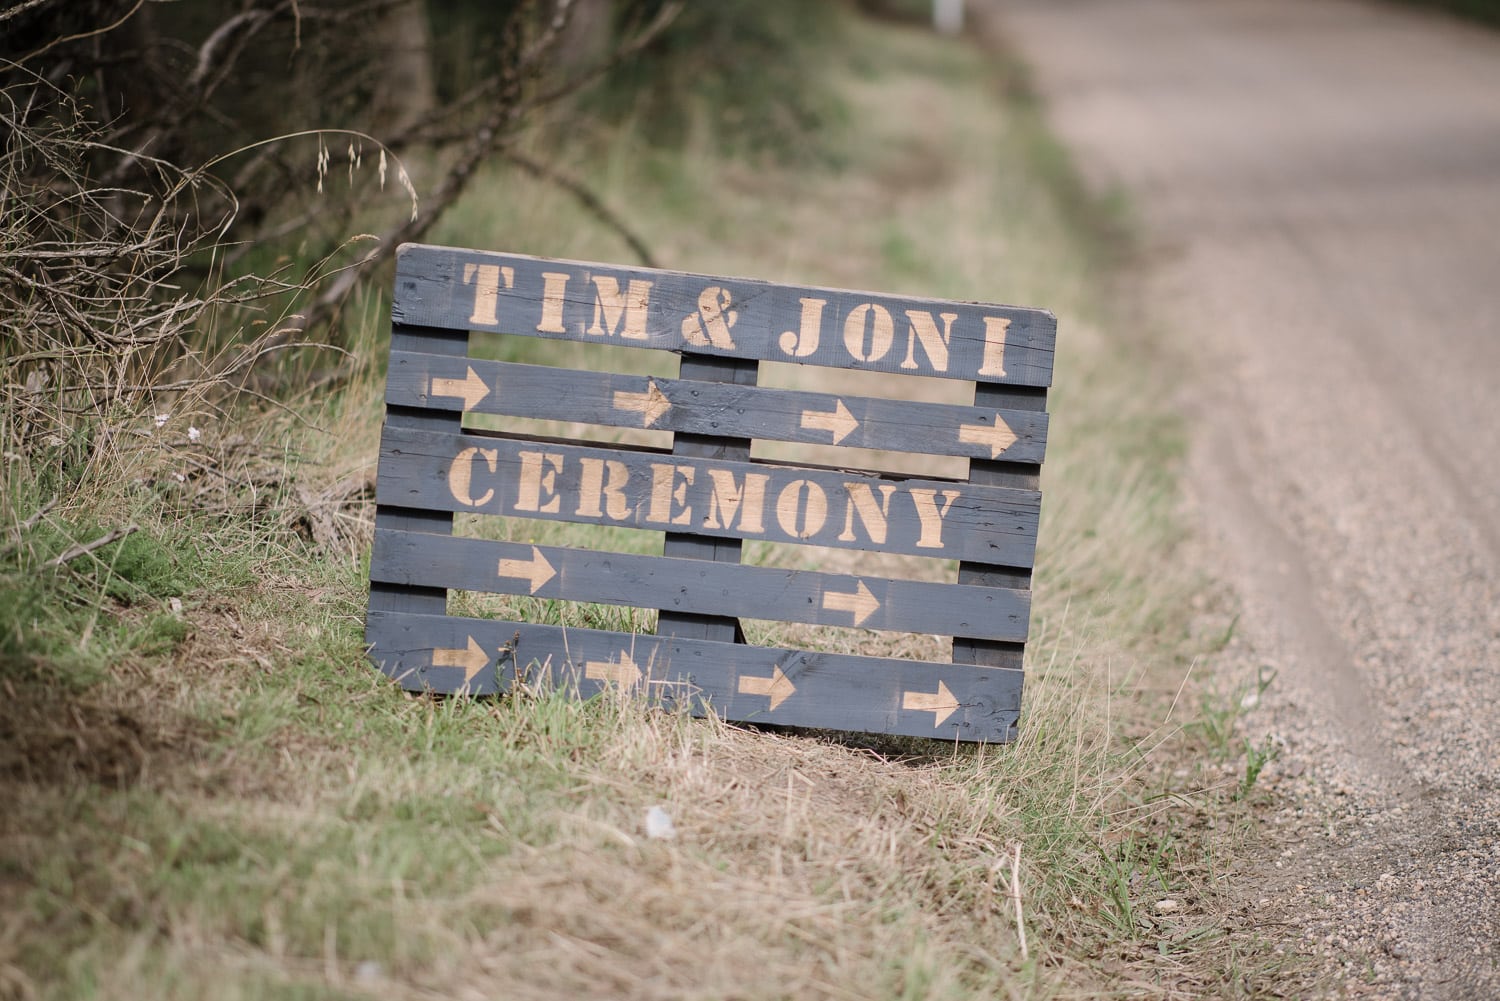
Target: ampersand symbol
[[710, 325]]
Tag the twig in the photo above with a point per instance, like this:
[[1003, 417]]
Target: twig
[[20, 8], [1015, 894], [664, 17], [89, 547], [36, 516], [585, 197], [86, 34]]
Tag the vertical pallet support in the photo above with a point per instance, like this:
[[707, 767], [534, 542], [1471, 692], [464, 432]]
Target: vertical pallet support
[[386, 597], [708, 368], [983, 652]]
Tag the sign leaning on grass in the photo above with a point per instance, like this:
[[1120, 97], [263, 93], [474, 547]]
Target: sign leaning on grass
[[706, 495]]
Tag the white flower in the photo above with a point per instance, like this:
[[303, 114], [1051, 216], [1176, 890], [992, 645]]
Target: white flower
[[161, 419], [194, 434]]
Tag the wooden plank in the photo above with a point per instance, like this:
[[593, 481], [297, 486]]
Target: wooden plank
[[689, 544], [737, 682], [385, 596], [700, 586], [510, 476], [714, 408], [727, 317], [972, 648]]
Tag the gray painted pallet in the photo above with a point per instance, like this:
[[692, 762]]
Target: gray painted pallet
[[706, 496]]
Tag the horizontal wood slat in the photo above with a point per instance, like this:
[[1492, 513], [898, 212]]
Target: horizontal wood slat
[[729, 317], [512, 476], [545, 393], [735, 681], [700, 586]]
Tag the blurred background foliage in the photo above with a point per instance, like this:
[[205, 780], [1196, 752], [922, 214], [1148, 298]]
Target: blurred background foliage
[[747, 69], [193, 192]]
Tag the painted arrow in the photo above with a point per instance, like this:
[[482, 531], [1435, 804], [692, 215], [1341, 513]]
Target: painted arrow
[[651, 405], [624, 673], [472, 658], [778, 686], [998, 438], [471, 388], [839, 421], [862, 604], [942, 705], [537, 570]]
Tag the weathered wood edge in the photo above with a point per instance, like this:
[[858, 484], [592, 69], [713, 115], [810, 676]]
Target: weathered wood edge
[[732, 680]]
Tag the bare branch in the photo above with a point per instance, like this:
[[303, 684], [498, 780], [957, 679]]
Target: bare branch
[[664, 17], [585, 197], [82, 35], [88, 547], [20, 8]]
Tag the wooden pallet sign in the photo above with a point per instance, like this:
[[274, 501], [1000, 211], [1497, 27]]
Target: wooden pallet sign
[[706, 495]]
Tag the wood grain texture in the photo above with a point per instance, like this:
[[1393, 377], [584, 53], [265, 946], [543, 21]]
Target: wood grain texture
[[710, 444], [734, 681], [384, 596], [971, 648], [714, 408], [515, 476], [731, 317], [700, 586]]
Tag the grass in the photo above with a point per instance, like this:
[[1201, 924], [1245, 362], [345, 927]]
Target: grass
[[209, 791]]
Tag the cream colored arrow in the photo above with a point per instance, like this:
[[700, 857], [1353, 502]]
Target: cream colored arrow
[[471, 389], [778, 686], [651, 405], [624, 673], [942, 705], [471, 658], [862, 604], [840, 421], [537, 570], [998, 438]]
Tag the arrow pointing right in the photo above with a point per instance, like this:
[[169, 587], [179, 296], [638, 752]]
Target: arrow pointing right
[[861, 603], [472, 658], [625, 673], [651, 405], [942, 705], [998, 438], [537, 570], [471, 388], [840, 421], [778, 686]]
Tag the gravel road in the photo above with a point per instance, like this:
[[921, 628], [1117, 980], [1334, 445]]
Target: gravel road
[[1318, 182]]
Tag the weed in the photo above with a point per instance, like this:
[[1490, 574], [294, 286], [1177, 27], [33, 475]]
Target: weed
[[1257, 757], [1219, 714]]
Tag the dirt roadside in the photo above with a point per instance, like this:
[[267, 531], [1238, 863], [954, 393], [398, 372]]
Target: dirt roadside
[[1318, 185]]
